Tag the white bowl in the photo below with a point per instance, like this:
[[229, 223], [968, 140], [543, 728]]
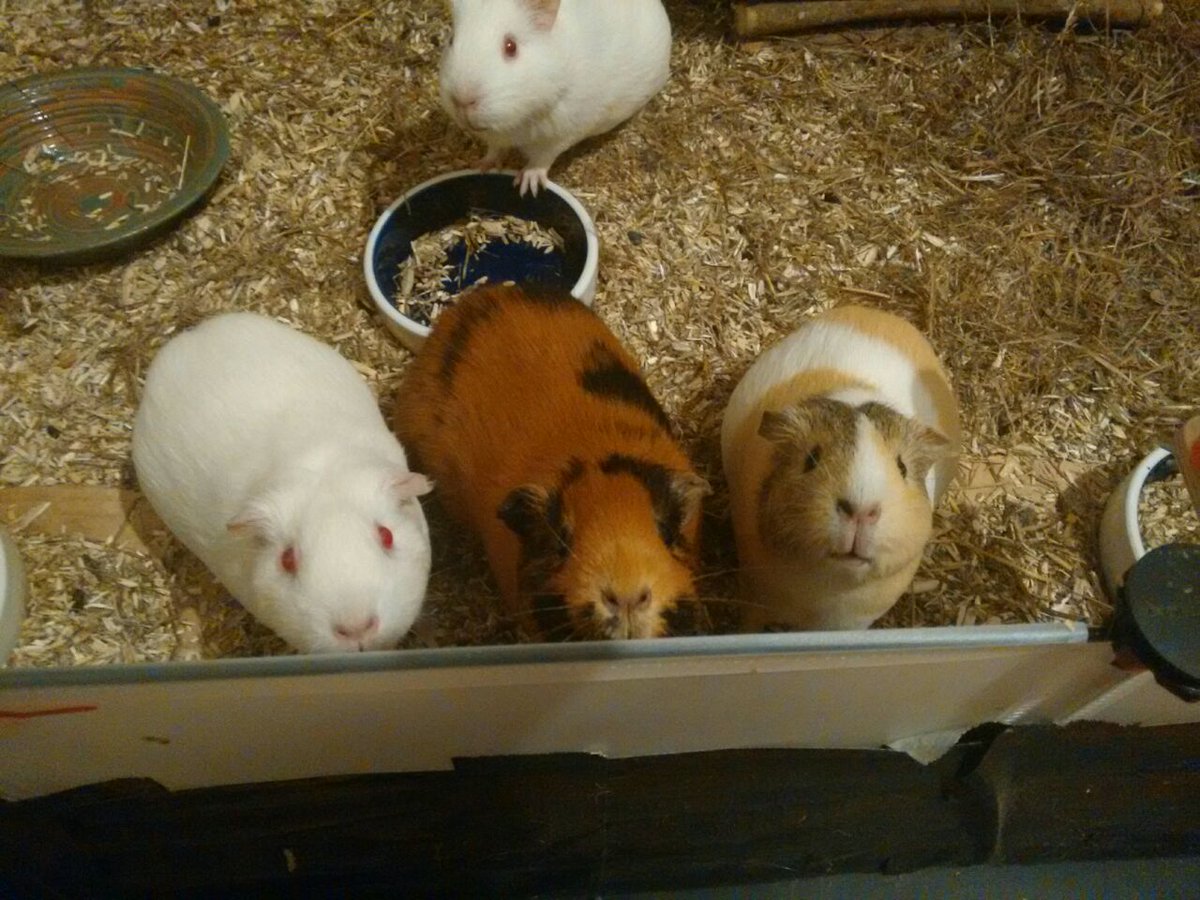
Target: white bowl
[[439, 202], [12, 595], [1121, 542]]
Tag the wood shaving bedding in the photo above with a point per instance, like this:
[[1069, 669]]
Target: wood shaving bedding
[[421, 279], [1027, 198]]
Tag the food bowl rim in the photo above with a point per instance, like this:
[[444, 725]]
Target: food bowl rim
[[586, 277], [1121, 543]]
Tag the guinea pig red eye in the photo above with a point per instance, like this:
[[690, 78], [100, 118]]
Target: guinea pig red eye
[[510, 48], [385, 537], [811, 460], [287, 560], [903, 468]]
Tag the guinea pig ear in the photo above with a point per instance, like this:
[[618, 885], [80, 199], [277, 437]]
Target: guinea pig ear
[[254, 521], [776, 427], [408, 486], [542, 13], [785, 426], [924, 447], [524, 509], [689, 490]]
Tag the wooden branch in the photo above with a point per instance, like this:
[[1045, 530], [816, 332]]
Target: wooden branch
[[761, 19], [94, 513]]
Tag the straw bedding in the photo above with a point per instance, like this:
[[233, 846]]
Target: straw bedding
[[1028, 198]]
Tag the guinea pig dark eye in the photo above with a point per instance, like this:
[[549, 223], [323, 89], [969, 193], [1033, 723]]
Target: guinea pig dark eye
[[510, 48], [385, 537], [902, 467], [812, 458], [287, 560]]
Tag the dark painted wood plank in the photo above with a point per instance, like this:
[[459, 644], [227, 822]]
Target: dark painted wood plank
[[513, 826], [1092, 791], [573, 824]]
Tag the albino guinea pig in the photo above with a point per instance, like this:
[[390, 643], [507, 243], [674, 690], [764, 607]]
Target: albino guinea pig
[[265, 453], [836, 445], [542, 75], [546, 442]]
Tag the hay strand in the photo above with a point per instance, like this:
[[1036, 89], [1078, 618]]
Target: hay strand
[[1027, 197]]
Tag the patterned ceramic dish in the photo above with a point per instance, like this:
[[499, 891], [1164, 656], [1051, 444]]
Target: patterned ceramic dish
[[94, 160]]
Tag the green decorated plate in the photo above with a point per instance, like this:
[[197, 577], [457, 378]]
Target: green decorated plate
[[95, 160]]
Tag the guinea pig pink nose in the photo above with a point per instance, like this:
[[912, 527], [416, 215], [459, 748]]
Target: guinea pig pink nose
[[865, 514], [357, 631], [632, 600]]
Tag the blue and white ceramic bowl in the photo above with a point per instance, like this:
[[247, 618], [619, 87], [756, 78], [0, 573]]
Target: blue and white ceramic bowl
[[446, 199]]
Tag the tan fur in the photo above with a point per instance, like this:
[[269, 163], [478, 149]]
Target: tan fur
[[513, 413], [756, 457], [783, 513], [908, 339]]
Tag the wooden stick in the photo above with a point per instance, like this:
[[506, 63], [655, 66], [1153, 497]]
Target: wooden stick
[[1187, 456], [761, 19], [94, 513]]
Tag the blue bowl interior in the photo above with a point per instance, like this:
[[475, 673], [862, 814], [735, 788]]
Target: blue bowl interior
[[489, 193]]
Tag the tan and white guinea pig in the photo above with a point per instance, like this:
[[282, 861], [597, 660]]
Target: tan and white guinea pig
[[541, 75], [836, 444], [544, 440], [265, 453]]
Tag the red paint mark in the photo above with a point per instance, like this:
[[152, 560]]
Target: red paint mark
[[1195, 454], [34, 713]]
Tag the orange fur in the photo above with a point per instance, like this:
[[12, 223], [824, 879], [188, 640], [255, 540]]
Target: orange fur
[[496, 400]]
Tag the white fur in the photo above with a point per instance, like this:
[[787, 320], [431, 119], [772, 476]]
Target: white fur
[[834, 345], [246, 422], [596, 65], [869, 475], [856, 566]]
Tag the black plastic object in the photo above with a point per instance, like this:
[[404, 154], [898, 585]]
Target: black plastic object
[[490, 193], [1159, 616]]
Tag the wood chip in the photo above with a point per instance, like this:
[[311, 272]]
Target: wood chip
[[1030, 198]]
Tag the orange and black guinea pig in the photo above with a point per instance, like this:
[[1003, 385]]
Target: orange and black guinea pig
[[542, 437]]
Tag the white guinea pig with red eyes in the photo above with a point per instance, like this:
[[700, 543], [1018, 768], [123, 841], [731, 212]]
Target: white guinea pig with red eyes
[[541, 75], [265, 453], [836, 444]]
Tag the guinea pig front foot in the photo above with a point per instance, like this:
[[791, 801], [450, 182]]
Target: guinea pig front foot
[[532, 180]]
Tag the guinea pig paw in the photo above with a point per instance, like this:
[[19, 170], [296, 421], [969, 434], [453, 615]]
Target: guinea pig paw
[[532, 180]]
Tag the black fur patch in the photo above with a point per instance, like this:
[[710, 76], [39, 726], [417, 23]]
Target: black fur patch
[[550, 613], [522, 510], [473, 310], [668, 511], [684, 618], [538, 521], [605, 375]]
